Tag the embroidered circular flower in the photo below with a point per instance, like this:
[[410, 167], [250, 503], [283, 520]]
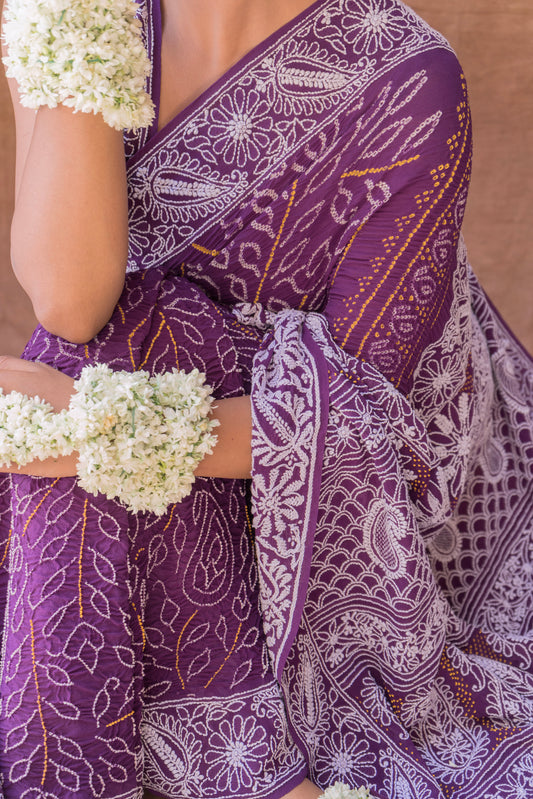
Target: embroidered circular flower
[[240, 127], [236, 755], [346, 758], [372, 26], [278, 500], [438, 381]]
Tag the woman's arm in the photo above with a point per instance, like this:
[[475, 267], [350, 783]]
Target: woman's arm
[[231, 457], [69, 230]]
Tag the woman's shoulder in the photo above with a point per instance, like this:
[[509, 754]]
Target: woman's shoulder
[[341, 49], [380, 37]]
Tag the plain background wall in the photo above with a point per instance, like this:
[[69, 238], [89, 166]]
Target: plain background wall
[[492, 39]]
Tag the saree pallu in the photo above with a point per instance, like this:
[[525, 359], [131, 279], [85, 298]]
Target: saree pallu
[[318, 190]]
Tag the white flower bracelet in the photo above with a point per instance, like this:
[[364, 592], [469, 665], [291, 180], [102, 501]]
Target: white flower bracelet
[[86, 54], [139, 438], [341, 791]]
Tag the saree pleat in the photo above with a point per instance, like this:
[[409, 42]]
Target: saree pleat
[[363, 612]]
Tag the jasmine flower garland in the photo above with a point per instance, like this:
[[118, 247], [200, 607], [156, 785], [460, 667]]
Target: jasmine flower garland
[[340, 791], [139, 438], [30, 429], [85, 54]]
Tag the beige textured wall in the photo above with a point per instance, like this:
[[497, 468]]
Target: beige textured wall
[[493, 40], [16, 318]]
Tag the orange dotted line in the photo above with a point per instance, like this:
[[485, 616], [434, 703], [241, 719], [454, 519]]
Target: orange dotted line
[[360, 173], [143, 633], [150, 348], [171, 334], [39, 505], [230, 653], [199, 247], [122, 718], [278, 239], [6, 550], [249, 522], [129, 342], [80, 565], [39, 705], [167, 525], [178, 647]]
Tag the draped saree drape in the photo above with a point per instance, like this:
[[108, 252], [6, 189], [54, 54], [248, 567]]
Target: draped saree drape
[[363, 611]]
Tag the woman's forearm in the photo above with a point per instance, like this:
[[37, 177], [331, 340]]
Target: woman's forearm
[[69, 230], [231, 457]]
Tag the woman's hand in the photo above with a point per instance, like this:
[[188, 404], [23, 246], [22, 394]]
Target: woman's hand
[[36, 379], [231, 457], [39, 379]]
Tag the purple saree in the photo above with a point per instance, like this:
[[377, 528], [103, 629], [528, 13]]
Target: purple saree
[[374, 624]]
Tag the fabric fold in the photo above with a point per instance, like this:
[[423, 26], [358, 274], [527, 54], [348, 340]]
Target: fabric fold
[[290, 412], [375, 646]]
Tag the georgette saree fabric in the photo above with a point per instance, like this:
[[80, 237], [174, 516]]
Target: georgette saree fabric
[[363, 610]]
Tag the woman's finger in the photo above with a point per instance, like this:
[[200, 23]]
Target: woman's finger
[[24, 382], [10, 363], [34, 380]]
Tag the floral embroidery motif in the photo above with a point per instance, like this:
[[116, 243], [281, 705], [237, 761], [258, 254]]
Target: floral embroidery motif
[[240, 127], [371, 27], [220, 747], [236, 754]]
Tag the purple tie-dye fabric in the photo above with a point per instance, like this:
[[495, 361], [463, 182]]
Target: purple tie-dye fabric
[[134, 650], [318, 190]]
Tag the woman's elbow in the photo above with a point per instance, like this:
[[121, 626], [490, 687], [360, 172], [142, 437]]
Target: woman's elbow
[[78, 328], [74, 310], [76, 322], [72, 300]]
